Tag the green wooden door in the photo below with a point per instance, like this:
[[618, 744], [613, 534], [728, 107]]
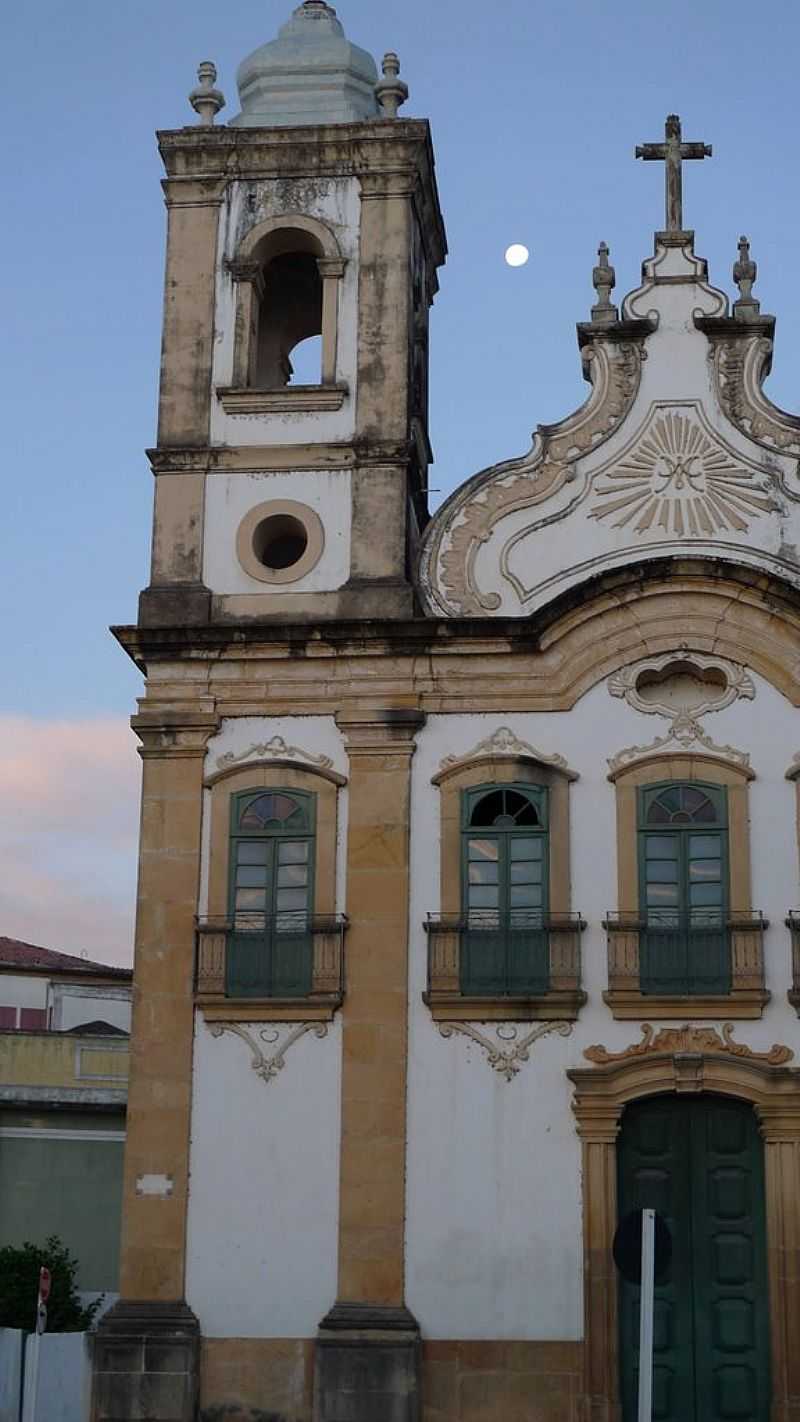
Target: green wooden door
[[700, 1164]]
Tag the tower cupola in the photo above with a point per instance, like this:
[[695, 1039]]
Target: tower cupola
[[310, 74]]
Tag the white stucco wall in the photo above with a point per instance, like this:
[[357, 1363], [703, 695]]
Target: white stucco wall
[[493, 1237], [230, 496], [264, 1196], [336, 202], [494, 1230]]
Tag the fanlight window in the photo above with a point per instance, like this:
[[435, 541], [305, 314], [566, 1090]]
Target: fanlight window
[[273, 812], [505, 809], [682, 805]]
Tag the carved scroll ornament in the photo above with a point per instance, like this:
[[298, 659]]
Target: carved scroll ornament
[[740, 368], [688, 1039], [507, 1060], [468, 519], [268, 1065]]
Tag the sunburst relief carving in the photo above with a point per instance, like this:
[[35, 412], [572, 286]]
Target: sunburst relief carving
[[677, 478]]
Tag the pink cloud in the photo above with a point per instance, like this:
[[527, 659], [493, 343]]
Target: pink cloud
[[69, 795]]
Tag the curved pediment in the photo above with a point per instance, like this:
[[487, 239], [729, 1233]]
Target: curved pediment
[[677, 452]]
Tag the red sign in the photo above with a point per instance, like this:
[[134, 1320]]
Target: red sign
[[45, 1281]]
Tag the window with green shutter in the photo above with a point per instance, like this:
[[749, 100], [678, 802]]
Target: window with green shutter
[[271, 893], [504, 940], [683, 889]]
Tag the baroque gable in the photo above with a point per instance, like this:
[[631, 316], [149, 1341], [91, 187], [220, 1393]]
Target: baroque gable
[[677, 452]]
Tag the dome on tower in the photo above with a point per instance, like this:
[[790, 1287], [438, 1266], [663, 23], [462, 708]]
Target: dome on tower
[[310, 74]]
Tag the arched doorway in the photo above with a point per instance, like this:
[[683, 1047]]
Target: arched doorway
[[687, 1063], [699, 1162]]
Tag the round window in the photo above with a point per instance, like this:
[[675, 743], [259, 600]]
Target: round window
[[280, 541]]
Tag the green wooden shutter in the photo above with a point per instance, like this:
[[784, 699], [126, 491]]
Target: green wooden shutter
[[504, 943], [270, 943], [683, 890]]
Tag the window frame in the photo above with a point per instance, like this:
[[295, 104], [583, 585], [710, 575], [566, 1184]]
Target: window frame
[[565, 996], [646, 795], [221, 789], [748, 995]]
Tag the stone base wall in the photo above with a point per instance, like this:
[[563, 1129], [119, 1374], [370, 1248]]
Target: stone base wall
[[474, 1381], [255, 1379]]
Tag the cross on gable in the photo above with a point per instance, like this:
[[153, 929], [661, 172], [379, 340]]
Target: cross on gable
[[672, 152]]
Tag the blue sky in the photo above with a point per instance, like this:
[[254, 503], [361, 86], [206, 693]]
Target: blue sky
[[535, 111]]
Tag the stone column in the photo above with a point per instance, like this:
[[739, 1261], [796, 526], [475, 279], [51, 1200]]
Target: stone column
[[368, 1347], [601, 1346], [146, 1350], [331, 270], [780, 1126]]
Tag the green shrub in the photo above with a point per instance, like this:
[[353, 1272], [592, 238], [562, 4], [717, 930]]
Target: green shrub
[[19, 1288]]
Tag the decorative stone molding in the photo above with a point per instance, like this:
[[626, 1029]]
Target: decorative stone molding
[[684, 735], [601, 1094], [267, 1066], [468, 519], [502, 744], [294, 399], [507, 1060], [727, 683], [679, 477], [740, 368], [689, 1039], [793, 773], [275, 751]]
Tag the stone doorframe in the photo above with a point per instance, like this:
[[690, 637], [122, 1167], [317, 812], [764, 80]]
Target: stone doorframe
[[601, 1095]]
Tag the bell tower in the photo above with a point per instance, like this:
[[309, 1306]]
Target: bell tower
[[303, 245]]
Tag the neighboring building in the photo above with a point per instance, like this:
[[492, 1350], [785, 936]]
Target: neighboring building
[[468, 843], [64, 1024]]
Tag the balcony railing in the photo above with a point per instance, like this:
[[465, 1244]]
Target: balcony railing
[[521, 955], [288, 956], [793, 924], [699, 952]]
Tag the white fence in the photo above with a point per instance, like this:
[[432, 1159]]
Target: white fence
[[45, 1379]]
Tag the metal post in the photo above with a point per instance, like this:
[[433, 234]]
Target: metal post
[[646, 1304]]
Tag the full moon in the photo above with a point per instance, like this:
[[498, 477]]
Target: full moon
[[517, 255]]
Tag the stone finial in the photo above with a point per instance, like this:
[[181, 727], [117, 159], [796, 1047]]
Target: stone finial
[[390, 91], [205, 99], [745, 272], [604, 279]]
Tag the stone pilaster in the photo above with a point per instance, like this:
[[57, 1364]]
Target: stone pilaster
[[780, 1127], [368, 1353], [146, 1351]]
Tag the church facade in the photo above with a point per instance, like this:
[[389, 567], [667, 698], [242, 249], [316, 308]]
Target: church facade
[[469, 843]]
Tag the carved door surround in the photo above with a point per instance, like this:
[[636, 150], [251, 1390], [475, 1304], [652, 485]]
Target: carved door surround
[[704, 1062]]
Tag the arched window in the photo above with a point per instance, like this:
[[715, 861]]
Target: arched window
[[505, 890], [288, 273], [683, 888], [271, 893], [289, 313]]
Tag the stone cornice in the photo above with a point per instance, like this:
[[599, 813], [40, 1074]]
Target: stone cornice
[[402, 147]]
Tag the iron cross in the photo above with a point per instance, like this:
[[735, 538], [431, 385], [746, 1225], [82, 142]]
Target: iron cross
[[672, 152]]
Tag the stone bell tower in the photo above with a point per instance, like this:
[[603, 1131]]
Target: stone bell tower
[[290, 493], [312, 214]]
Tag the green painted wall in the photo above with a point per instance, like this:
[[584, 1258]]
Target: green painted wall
[[72, 1188]]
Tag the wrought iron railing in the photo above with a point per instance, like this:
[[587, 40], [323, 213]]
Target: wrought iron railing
[[793, 924], [523, 953], [288, 955], [686, 953]]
